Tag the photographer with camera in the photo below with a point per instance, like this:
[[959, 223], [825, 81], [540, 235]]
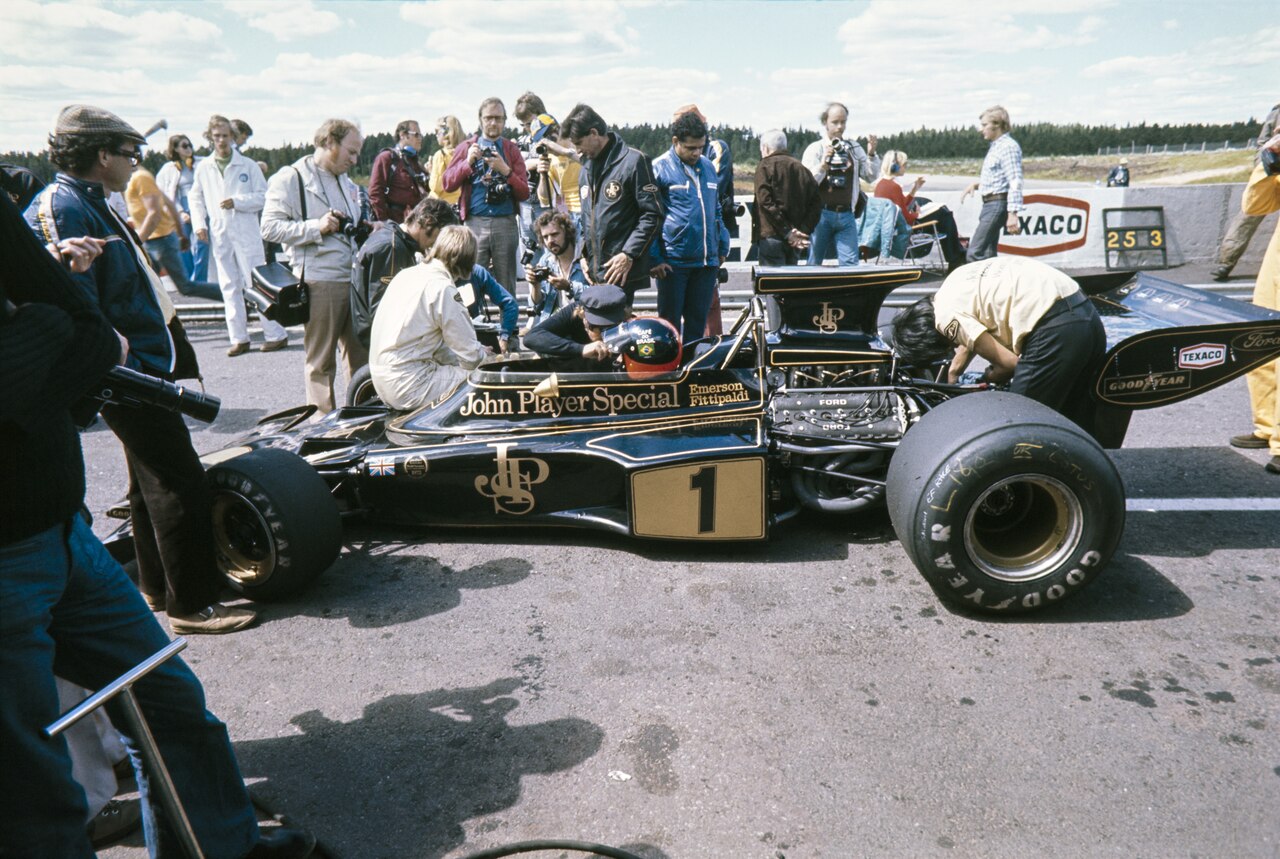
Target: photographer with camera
[[227, 194], [489, 171], [313, 209], [168, 498], [837, 164], [397, 181], [68, 607], [556, 278]]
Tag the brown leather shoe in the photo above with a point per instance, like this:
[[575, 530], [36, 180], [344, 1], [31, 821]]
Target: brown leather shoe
[[214, 620], [237, 349], [154, 603], [1274, 465], [1249, 441], [275, 345]]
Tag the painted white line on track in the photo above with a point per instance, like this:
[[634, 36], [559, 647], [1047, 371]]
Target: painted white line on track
[[1203, 505]]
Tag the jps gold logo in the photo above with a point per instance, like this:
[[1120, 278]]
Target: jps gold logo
[[512, 479], [827, 320]]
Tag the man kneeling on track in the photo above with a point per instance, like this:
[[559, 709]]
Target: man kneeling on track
[[1035, 327], [423, 343]]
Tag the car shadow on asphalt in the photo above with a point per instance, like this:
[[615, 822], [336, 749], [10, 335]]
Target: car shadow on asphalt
[[403, 778], [372, 586]]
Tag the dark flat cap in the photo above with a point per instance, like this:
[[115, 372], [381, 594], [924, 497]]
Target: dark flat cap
[[604, 303], [86, 119]]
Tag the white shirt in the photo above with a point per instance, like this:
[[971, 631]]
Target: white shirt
[[422, 343]]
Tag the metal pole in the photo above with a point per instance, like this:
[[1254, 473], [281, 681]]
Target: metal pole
[[140, 732], [161, 782]]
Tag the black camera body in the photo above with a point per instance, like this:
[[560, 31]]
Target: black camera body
[[1270, 162], [357, 230], [541, 272], [840, 163], [497, 190]]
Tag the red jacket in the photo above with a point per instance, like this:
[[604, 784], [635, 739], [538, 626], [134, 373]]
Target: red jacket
[[396, 184], [458, 175]]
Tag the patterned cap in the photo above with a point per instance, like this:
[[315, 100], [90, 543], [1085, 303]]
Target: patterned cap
[[86, 119], [605, 304], [542, 125]]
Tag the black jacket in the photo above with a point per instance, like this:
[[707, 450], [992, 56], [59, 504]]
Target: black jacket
[[786, 198], [621, 211], [380, 258]]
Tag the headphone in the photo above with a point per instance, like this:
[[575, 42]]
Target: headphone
[[895, 167]]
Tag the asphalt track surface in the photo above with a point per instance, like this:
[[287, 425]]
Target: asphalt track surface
[[441, 691]]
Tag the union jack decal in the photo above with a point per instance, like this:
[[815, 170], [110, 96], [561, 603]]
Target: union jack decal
[[385, 467]]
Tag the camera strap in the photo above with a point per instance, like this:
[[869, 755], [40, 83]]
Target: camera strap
[[302, 201]]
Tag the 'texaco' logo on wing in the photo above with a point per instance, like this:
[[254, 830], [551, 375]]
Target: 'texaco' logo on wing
[[1202, 355]]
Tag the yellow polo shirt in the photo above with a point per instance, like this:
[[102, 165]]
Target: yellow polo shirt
[[1003, 296], [141, 184]]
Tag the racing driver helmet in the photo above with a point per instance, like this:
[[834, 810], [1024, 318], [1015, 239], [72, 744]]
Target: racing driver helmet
[[649, 346]]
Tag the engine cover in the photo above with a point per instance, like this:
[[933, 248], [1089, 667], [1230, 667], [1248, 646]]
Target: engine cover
[[847, 414]]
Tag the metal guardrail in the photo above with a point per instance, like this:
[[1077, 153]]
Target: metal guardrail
[[732, 300]]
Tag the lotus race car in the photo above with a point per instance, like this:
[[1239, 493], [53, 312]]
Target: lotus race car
[[1002, 504]]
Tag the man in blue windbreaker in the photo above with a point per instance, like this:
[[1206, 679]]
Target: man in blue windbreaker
[[695, 240]]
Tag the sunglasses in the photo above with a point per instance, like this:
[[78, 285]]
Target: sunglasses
[[134, 155]]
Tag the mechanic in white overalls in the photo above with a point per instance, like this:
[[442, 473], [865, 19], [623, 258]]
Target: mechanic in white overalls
[[226, 197]]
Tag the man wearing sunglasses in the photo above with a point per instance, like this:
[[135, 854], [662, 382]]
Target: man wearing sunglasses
[[96, 151]]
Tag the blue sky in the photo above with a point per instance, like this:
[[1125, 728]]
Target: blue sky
[[285, 66]]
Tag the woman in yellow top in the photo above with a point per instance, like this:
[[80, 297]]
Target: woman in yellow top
[[448, 135]]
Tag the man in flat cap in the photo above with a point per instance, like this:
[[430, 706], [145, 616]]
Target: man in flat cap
[[96, 152], [573, 337]]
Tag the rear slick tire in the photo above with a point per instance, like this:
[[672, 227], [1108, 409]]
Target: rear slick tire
[[275, 525], [1004, 505]]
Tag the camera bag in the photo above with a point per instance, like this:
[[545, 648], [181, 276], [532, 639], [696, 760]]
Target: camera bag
[[276, 291]]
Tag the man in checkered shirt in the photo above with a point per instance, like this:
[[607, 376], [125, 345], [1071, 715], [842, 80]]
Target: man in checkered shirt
[[1000, 185]]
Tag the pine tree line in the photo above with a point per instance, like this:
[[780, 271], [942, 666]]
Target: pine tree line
[[1041, 138]]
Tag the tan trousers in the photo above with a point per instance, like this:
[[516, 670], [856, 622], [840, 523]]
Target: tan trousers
[[329, 328], [1264, 380], [1236, 241]]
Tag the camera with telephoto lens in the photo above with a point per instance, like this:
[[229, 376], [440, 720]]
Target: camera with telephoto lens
[[357, 230], [840, 163], [126, 387], [541, 149]]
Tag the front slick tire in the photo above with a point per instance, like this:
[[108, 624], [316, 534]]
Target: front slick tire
[[1004, 505], [275, 525]]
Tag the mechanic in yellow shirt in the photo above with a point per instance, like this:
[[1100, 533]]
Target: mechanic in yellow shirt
[[1035, 327]]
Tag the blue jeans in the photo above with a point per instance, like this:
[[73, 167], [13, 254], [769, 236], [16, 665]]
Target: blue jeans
[[982, 244], [66, 607], [686, 294], [840, 228], [166, 251]]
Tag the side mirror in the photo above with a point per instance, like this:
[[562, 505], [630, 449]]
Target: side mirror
[[548, 388]]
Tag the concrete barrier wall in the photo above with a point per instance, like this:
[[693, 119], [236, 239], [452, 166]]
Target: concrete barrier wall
[[1066, 225]]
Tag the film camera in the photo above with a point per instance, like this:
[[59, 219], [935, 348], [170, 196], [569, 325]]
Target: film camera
[[497, 188], [840, 164], [127, 387], [357, 230], [540, 272]]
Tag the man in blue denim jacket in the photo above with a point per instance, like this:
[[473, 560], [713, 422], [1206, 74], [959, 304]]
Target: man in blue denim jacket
[[695, 240], [168, 499]]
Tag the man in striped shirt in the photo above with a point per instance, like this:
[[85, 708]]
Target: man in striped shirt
[[1000, 185]]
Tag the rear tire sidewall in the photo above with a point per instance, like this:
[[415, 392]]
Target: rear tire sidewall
[[962, 452], [360, 390], [298, 519]]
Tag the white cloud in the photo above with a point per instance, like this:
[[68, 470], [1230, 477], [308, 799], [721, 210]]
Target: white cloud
[[551, 34], [1171, 24], [55, 33], [288, 20]]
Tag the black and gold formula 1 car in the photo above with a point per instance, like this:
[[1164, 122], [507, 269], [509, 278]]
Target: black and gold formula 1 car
[[1002, 504]]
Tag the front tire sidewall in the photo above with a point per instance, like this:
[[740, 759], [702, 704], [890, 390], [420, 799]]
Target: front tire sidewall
[[1076, 526]]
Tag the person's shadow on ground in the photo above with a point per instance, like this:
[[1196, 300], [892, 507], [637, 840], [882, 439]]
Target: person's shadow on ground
[[401, 780]]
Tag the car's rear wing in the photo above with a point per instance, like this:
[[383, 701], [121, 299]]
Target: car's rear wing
[[1167, 342]]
